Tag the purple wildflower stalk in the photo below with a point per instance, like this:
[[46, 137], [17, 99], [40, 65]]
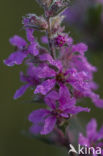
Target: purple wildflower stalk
[[59, 76]]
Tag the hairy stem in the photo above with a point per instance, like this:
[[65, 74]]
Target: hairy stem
[[51, 46], [62, 140]]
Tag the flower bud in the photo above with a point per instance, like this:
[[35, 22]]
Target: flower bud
[[56, 7], [45, 3], [36, 22], [55, 23], [60, 40]]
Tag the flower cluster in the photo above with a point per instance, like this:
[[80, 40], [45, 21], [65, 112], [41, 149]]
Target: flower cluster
[[59, 76]]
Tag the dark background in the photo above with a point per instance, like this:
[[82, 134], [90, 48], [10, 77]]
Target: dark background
[[13, 114]]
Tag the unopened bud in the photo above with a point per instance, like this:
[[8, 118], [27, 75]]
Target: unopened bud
[[45, 3], [56, 7], [36, 22], [55, 23], [60, 40]]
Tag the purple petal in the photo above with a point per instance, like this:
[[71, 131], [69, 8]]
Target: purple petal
[[50, 99], [38, 116], [45, 87], [32, 70], [29, 34], [36, 129], [81, 64], [76, 110], [30, 79], [81, 48], [69, 41], [98, 102], [21, 91], [15, 58], [49, 125], [65, 115], [33, 49], [23, 78], [44, 39], [65, 98], [47, 57], [18, 41], [45, 72], [83, 140], [95, 98], [91, 129], [93, 85], [100, 133], [79, 81]]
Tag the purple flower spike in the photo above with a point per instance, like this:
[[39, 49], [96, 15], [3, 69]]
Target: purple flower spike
[[59, 74]]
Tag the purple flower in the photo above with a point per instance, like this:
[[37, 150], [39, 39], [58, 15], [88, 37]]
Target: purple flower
[[33, 47], [93, 138], [22, 49], [44, 39], [61, 105], [21, 52], [62, 39], [59, 76], [47, 72], [78, 76], [30, 80]]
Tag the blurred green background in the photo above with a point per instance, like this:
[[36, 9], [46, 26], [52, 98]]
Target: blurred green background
[[13, 114]]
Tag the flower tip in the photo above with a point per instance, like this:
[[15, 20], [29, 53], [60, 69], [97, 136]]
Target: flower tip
[[7, 63], [43, 132], [15, 97], [88, 110], [30, 117], [4, 61]]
